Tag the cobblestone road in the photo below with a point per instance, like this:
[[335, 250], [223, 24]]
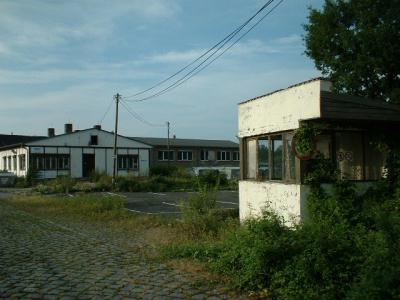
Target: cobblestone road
[[43, 260]]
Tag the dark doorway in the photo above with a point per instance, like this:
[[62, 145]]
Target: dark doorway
[[88, 164]]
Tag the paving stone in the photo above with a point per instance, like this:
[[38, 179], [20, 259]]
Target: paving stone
[[45, 260]]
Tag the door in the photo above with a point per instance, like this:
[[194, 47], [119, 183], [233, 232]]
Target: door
[[88, 164]]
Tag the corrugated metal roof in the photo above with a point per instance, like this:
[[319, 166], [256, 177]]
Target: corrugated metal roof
[[12, 139], [186, 142]]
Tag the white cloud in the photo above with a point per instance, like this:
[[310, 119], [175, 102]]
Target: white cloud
[[32, 24]]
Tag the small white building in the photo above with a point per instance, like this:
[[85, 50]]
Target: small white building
[[272, 176], [76, 153]]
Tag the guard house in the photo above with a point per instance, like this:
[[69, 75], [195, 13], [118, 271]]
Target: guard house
[[273, 174]]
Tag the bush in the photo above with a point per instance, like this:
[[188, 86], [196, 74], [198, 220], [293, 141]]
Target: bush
[[212, 178], [347, 249], [162, 170]]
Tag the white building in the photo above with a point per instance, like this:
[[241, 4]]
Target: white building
[[272, 176], [76, 153]]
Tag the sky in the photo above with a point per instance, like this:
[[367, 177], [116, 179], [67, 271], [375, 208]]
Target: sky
[[63, 61]]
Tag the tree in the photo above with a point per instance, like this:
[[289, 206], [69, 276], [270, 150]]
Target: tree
[[356, 43]]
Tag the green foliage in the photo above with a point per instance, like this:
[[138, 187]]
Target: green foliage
[[347, 248], [320, 170], [61, 184], [197, 213], [356, 44], [201, 216], [304, 139], [163, 170], [212, 178]]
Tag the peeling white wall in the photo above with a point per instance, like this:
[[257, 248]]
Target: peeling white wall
[[281, 110], [256, 196]]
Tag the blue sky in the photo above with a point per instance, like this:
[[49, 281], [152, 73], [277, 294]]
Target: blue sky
[[62, 61]]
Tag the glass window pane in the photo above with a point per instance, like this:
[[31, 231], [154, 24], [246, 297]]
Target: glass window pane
[[277, 153], [263, 158], [290, 159], [251, 161], [349, 155]]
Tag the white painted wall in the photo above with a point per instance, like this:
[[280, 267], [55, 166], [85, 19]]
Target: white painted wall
[[12, 152], [285, 199], [281, 110]]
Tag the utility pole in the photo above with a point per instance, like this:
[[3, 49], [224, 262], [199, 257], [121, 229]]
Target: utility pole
[[117, 98], [168, 142]]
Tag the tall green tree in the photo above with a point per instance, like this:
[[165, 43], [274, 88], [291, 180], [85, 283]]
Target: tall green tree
[[356, 43]]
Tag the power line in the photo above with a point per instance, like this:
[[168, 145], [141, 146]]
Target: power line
[[137, 116], [106, 112], [193, 73], [224, 41]]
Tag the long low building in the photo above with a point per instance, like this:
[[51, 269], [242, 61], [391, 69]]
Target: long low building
[[75, 153], [79, 153], [198, 155]]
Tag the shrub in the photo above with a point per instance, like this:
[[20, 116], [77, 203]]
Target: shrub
[[162, 170], [347, 249], [212, 178]]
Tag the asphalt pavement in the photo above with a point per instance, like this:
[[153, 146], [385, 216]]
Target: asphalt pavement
[[169, 202]]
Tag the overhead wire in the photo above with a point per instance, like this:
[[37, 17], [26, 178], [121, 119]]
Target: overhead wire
[[137, 116], [193, 73], [106, 112], [214, 49]]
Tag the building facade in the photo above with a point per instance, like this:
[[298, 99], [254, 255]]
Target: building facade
[[197, 155], [273, 173], [76, 153]]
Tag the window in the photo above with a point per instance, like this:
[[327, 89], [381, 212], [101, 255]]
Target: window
[[277, 157], [263, 158], [63, 162], [204, 155], [163, 155], [50, 161], [22, 161], [9, 163], [14, 162], [223, 155], [251, 159], [128, 162], [236, 156], [4, 163], [270, 158], [94, 140], [185, 155]]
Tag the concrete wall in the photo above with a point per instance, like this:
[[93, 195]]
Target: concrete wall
[[11, 153], [288, 200], [281, 110], [285, 199]]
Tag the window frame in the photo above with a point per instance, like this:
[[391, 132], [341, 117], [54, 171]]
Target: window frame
[[206, 153], [22, 162], [227, 155], [182, 158], [124, 161], [164, 154], [236, 156], [286, 178]]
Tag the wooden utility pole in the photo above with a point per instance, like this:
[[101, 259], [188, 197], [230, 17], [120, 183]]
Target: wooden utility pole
[[117, 98], [168, 141]]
